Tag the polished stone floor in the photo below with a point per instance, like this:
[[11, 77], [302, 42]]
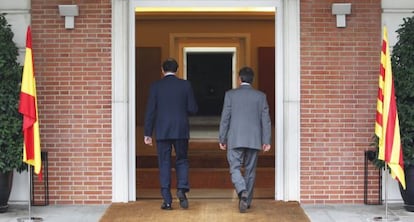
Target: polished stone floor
[[358, 213], [316, 213]]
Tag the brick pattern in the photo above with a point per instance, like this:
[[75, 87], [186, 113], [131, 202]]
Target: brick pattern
[[339, 71], [73, 73], [339, 82]]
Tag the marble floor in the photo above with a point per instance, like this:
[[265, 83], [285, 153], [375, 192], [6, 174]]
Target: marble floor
[[316, 213]]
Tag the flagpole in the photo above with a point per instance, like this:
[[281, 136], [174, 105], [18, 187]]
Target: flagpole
[[387, 127], [386, 217], [29, 169], [28, 219], [28, 108], [386, 191]]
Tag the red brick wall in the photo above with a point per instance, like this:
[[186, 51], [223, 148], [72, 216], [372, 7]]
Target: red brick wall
[[73, 73], [339, 76], [339, 71]]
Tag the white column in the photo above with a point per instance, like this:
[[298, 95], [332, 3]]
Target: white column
[[393, 12], [120, 166], [18, 16], [288, 156]]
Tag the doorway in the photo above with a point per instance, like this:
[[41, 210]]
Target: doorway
[[211, 73], [209, 177], [287, 91]]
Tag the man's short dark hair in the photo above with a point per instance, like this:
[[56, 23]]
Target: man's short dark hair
[[246, 74], [170, 65]]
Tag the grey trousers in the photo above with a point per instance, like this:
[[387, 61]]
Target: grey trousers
[[247, 158]]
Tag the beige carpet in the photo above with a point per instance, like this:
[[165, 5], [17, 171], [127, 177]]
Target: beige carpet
[[212, 210]]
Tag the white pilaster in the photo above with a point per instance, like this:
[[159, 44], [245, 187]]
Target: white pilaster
[[120, 146], [18, 16], [288, 101], [292, 99], [393, 12]]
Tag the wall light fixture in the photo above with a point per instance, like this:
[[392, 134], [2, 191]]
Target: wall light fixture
[[341, 10], [69, 11]]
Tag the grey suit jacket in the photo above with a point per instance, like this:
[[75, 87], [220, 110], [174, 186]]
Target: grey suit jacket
[[245, 120]]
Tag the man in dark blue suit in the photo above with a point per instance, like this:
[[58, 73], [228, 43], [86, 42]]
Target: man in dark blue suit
[[171, 100]]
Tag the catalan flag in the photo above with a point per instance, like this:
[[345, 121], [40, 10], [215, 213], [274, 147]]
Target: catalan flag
[[387, 126], [28, 108]]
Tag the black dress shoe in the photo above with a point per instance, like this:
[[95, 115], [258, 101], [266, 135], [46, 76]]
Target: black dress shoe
[[243, 202], [183, 199], [166, 206]]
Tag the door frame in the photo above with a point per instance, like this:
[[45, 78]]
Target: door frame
[[232, 50], [287, 92]]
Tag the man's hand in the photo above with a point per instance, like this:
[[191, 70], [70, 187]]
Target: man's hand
[[223, 146], [148, 140], [266, 147]]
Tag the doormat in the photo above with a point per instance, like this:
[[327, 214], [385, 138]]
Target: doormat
[[211, 210]]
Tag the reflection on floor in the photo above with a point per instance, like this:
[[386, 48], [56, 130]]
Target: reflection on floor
[[204, 127]]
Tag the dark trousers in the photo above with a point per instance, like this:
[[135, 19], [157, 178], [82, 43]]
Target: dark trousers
[[164, 149]]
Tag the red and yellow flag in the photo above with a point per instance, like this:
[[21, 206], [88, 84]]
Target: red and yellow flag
[[28, 108], [387, 126]]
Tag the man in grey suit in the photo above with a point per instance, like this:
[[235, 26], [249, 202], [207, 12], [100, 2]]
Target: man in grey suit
[[245, 129]]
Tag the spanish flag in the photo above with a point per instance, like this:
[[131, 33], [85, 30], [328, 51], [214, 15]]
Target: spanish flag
[[28, 108], [387, 126]]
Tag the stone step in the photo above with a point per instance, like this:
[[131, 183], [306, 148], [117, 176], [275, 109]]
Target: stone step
[[200, 193], [217, 178], [204, 160]]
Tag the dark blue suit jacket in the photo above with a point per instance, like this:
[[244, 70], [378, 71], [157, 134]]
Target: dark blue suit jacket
[[171, 100]]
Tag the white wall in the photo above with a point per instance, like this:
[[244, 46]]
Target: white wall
[[18, 16], [393, 12]]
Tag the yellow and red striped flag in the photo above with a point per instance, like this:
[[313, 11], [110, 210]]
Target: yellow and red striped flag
[[28, 108], [387, 126]]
